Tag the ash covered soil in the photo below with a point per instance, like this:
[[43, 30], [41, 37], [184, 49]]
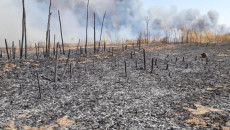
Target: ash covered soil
[[191, 93]]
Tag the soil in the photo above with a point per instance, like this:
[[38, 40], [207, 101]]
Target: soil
[[183, 91]]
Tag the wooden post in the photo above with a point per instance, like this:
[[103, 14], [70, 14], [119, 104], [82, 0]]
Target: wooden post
[[8, 56], [144, 59], [86, 38], [94, 33], [104, 46], [39, 87], [101, 30], [63, 48], [56, 64], [155, 62], [167, 67]]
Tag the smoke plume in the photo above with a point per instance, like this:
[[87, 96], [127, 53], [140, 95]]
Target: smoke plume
[[124, 19]]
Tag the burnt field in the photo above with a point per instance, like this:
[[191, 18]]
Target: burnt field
[[158, 87]]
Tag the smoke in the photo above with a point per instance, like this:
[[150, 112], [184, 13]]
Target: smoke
[[124, 19]]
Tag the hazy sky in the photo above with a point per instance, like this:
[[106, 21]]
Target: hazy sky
[[125, 18], [221, 6]]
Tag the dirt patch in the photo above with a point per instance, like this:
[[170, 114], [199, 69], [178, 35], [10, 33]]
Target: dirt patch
[[10, 125], [197, 121], [202, 109], [222, 55], [24, 116], [62, 122]]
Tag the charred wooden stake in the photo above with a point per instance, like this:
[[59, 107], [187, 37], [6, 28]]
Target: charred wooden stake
[[155, 62], [125, 70], [63, 48], [39, 87], [8, 56], [196, 58], [67, 62], [176, 60], [152, 65], [60, 49], [20, 89], [87, 17], [81, 51], [115, 61], [101, 30], [186, 67], [23, 32], [104, 46], [10, 53], [71, 71], [56, 65], [144, 59], [1, 54], [13, 50], [94, 33], [44, 54], [183, 59], [131, 55], [54, 51], [167, 67], [36, 48]]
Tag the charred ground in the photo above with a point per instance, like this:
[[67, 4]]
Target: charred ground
[[180, 91]]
